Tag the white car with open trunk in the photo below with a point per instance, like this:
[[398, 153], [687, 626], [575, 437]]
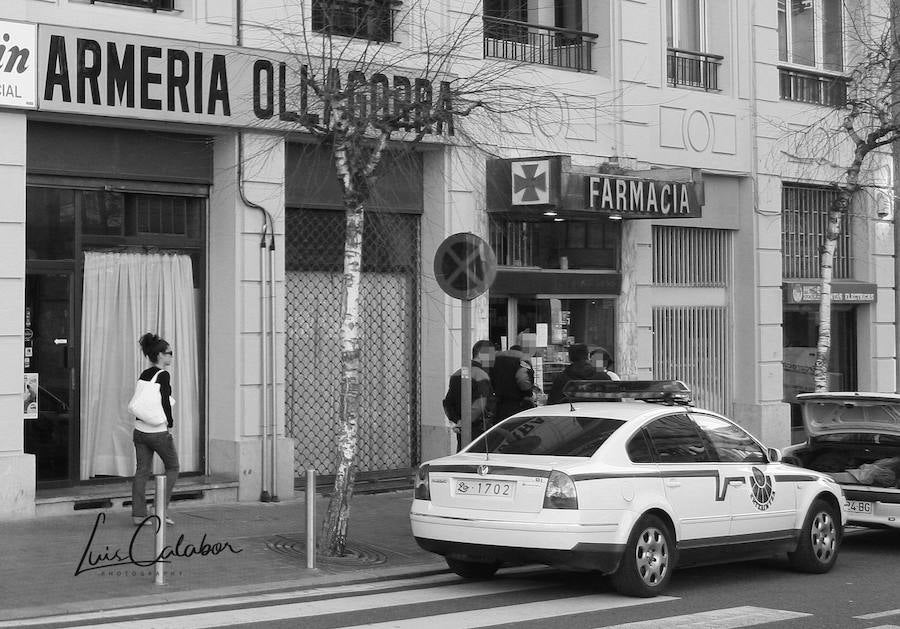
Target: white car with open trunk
[[630, 489], [855, 438]]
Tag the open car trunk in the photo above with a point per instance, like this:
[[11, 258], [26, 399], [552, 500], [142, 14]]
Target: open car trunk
[[864, 460]]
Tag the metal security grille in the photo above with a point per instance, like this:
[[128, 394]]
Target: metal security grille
[[389, 310], [690, 343], [513, 242], [684, 256], [804, 218]]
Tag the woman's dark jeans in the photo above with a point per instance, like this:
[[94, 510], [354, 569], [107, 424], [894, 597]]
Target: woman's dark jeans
[[145, 444]]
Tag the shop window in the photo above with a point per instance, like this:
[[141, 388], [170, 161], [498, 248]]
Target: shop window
[[50, 224], [810, 35], [556, 244], [804, 219], [364, 19], [389, 341]]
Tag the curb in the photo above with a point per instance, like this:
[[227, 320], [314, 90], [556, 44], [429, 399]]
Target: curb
[[315, 579]]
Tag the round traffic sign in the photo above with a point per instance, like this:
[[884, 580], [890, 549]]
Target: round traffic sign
[[464, 266]]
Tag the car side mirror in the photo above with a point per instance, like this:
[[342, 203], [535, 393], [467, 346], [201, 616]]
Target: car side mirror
[[774, 455]]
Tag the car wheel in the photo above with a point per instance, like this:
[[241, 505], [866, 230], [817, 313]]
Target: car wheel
[[648, 560], [472, 569], [820, 538]]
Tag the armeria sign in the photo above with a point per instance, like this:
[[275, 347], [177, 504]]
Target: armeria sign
[[18, 64], [112, 74], [629, 197]]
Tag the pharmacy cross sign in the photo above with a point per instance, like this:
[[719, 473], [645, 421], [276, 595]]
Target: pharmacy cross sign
[[531, 182], [464, 266]]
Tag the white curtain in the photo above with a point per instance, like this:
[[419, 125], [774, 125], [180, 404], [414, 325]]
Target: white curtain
[[124, 296]]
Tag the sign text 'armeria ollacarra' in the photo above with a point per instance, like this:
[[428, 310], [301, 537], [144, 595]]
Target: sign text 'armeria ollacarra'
[[641, 198], [116, 74]]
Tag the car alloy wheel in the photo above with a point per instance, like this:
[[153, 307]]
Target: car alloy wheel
[[820, 539], [647, 564]]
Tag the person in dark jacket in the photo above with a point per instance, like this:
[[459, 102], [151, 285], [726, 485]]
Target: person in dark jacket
[[580, 368], [513, 379], [482, 392]]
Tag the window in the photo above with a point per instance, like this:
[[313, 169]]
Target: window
[[549, 436], [365, 19], [686, 22], [811, 33], [676, 440], [729, 443], [638, 449], [583, 244], [547, 33], [804, 218], [156, 5], [688, 63]]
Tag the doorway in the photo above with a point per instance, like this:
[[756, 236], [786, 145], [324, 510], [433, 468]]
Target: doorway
[[51, 370]]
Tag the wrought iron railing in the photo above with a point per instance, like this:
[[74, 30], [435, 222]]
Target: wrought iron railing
[[810, 86], [364, 19], [155, 5], [533, 43], [694, 69]]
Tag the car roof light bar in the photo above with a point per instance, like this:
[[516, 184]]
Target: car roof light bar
[[665, 391]]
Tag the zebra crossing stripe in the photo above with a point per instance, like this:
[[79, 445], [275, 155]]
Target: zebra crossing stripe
[[270, 597], [728, 618], [308, 609], [890, 612], [523, 612]]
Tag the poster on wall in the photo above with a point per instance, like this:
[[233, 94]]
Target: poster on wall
[[30, 396]]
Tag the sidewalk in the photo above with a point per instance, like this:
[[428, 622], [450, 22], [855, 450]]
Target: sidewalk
[[39, 558]]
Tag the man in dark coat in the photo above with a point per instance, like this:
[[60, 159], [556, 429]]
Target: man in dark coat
[[513, 379], [579, 368], [482, 392]]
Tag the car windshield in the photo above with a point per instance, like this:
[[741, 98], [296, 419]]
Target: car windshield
[[548, 435]]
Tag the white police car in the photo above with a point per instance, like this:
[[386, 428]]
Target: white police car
[[631, 489]]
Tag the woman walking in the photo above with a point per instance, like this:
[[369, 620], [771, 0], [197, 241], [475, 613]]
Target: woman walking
[[149, 438]]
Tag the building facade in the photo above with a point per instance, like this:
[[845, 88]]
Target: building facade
[[630, 179]]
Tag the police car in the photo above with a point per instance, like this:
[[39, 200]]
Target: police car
[[631, 489]]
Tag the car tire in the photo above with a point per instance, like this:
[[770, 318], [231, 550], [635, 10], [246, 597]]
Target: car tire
[[820, 539], [649, 558], [472, 569]]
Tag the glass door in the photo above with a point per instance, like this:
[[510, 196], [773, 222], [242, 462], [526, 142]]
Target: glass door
[[50, 408]]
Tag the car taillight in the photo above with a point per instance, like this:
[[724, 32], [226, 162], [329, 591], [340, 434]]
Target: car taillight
[[560, 492], [421, 490]]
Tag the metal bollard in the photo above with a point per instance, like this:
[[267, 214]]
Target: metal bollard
[[159, 502], [311, 519]]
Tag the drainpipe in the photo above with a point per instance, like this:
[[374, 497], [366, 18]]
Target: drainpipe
[[266, 481]]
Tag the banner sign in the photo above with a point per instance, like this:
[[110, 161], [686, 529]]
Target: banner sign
[[842, 292], [628, 197], [125, 75], [18, 65]]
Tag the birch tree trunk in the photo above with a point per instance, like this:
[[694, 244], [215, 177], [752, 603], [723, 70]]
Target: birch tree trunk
[[826, 271]]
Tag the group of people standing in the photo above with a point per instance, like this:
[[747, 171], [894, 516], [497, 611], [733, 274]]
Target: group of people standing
[[503, 383]]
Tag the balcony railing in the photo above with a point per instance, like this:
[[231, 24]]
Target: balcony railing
[[364, 19], [533, 43], [693, 69], [809, 86]]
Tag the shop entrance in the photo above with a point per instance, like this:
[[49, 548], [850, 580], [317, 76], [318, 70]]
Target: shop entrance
[[50, 365], [552, 323]]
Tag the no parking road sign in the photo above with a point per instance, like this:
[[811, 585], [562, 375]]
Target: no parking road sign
[[465, 266]]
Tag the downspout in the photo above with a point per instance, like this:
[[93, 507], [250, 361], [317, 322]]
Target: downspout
[[267, 230]]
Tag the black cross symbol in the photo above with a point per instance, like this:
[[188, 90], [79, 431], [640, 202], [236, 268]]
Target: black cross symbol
[[530, 183], [464, 267]]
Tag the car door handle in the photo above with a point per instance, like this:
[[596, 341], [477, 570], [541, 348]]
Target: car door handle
[[671, 482], [737, 482]]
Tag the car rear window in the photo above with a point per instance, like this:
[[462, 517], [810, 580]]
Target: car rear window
[[548, 435]]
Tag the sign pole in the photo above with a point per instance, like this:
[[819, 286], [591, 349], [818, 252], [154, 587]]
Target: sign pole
[[465, 372]]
